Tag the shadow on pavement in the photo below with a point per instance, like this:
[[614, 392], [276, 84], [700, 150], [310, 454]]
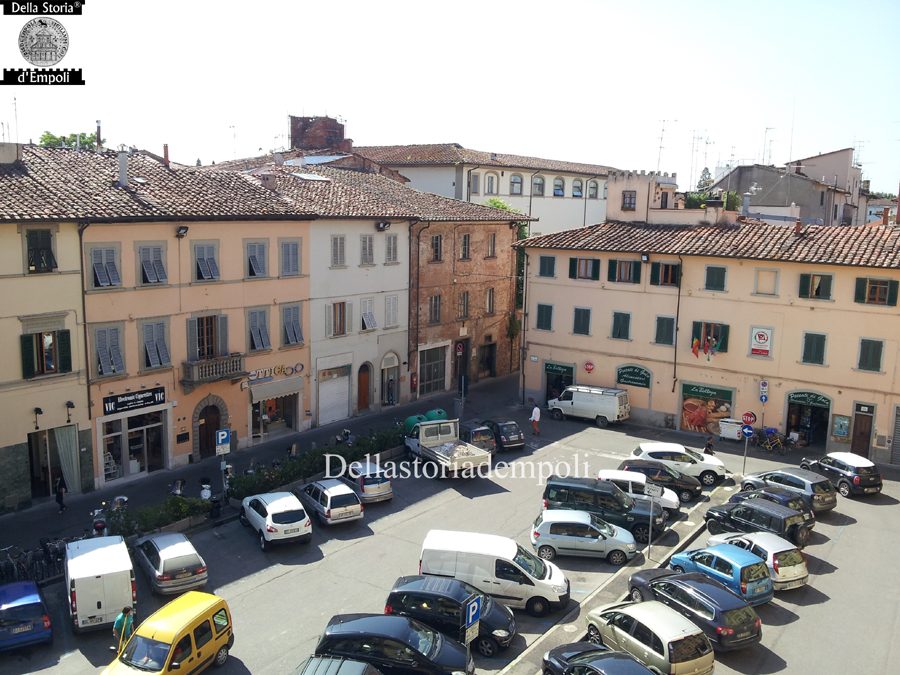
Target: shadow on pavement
[[804, 596], [775, 615], [818, 566], [837, 519], [882, 500], [758, 659]]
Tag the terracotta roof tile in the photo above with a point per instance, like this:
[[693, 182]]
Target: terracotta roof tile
[[873, 245]]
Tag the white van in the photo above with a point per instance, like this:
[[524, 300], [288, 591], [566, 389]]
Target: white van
[[497, 566], [100, 581], [600, 404]]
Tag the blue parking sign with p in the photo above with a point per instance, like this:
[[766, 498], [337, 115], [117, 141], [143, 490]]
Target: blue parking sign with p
[[473, 610], [223, 441]]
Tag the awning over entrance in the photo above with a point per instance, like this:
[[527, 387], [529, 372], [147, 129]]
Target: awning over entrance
[[267, 390]]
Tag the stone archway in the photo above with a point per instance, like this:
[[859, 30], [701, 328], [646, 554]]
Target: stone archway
[[210, 401]]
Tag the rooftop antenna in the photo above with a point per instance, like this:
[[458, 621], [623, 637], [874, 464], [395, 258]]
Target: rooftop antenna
[[662, 133], [791, 143], [233, 141], [765, 137], [16, 117]]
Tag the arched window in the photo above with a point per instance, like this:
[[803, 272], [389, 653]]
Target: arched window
[[515, 184], [490, 183], [592, 189], [577, 188], [559, 187], [537, 186]]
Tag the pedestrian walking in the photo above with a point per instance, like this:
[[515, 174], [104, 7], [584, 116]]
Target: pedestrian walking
[[122, 628], [535, 418], [61, 489], [709, 448], [391, 391]]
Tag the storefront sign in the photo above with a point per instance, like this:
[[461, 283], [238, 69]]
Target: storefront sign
[[266, 374], [760, 340], [589, 366], [133, 400], [636, 376], [702, 391], [557, 369], [810, 399]]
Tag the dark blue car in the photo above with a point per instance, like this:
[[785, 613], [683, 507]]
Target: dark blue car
[[24, 619]]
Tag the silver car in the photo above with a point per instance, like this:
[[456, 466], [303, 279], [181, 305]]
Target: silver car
[[816, 490], [579, 533], [171, 563], [331, 501], [369, 481]]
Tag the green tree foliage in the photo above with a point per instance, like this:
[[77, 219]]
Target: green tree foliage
[[521, 233], [88, 141], [884, 195], [696, 200], [706, 179]]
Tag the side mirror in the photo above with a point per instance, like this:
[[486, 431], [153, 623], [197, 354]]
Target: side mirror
[[175, 665]]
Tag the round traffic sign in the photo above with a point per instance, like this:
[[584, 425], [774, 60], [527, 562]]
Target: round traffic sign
[[589, 366], [763, 398], [459, 348], [747, 430], [748, 417]]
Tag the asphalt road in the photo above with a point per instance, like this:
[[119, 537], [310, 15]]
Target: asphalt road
[[282, 599]]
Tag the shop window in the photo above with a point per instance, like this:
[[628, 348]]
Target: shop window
[[46, 353]]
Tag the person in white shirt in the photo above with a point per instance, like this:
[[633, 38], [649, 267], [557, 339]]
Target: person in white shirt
[[535, 418]]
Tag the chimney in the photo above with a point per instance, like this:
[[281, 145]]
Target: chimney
[[798, 226], [279, 158], [166, 154], [886, 215], [123, 169], [10, 153], [99, 138], [268, 181]]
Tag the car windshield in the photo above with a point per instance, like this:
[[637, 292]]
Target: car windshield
[[788, 558], [181, 562], [739, 617], [531, 563], [867, 471], [822, 487], [669, 470], [755, 572], [423, 639], [337, 501], [145, 654], [20, 613], [509, 429], [689, 648], [288, 517], [603, 526]]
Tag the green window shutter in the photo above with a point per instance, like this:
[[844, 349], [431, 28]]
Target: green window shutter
[[825, 288], [27, 342], [804, 285], [636, 270], [654, 274], [696, 329], [723, 338], [64, 344], [678, 275], [665, 330], [595, 270], [860, 294], [611, 273], [892, 293], [818, 350], [573, 268]]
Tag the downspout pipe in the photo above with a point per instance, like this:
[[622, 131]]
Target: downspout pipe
[[82, 226], [415, 346], [524, 321], [675, 337], [469, 183]]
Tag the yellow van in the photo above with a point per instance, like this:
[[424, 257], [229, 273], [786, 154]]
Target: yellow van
[[188, 635]]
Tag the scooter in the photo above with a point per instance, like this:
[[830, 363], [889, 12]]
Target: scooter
[[99, 525], [176, 487], [205, 489], [345, 437]]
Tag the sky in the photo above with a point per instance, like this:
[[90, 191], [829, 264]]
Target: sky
[[633, 84]]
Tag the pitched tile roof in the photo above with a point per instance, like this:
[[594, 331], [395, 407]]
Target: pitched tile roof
[[453, 153], [68, 184], [871, 245]]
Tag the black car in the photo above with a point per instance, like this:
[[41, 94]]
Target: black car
[[728, 621], [587, 658], [508, 434], [331, 665], [396, 645], [850, 474], [440, 602], [607, 502], [478, 435], [759, 515], [687, 488], [780, 496]]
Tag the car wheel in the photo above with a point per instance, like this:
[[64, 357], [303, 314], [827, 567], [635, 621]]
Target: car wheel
[[641, 533], [685, 496], [556, 413], [678, 568], [602, 422], [547, 552], [746, 486], [708, 478], [714, 527], [487, 646], [594, 634], [804, 465], [617, 558], [844, 489], [537, 607], [263, 544], [636, 595], [243, 518], [221, 657]]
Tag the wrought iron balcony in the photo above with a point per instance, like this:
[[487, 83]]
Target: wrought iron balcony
[[229, 367]]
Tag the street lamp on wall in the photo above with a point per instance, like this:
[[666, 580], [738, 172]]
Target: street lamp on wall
[[645, 257], [37, 411], [181, 231], [69, 408]]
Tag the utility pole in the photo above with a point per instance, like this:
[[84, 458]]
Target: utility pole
[[662, 133]]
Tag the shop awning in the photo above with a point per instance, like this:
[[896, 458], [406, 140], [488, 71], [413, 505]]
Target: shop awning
[[267, 390]]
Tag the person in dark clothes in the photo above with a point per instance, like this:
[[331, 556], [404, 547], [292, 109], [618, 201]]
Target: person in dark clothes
[[61, 489]]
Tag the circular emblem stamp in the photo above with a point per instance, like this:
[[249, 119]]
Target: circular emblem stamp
[[43, 41]]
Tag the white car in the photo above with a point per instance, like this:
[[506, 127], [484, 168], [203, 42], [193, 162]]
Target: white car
[[706, 468], [787, 566], [633, 483], [369, 481], [171, 563], [276, 517]]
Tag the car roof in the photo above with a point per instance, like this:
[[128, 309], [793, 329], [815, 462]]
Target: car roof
[[773, 508], [19, 593], [619, 663], [565, 516], [710, 589], [775, 490], [442, 586], [582, 482], [470, 542], [166, 622], [335, 665], [97, 556], [770, 542], [171, 545], [667, 623], [384, 625], [733, 554], [851, 458], [616, 474], [366, 467], [334, 486], [802, 474], [280, 501], [653, 446]]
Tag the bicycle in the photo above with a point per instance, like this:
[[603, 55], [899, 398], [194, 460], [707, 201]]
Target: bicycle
[[16, 563], [770, 441]]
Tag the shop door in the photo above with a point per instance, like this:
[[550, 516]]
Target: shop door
[[433, 370], [558, 378], [895, 443], [488, 360], [862, 434], [334, 399], [362, 392], [44, 460], [208, 425]]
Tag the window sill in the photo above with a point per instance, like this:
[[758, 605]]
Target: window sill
[[155, 369], [105, 289], [112, 377], [46, 376], [254, 352], [810, 363], [391, 262], [337, 267], [490, 313], [435, 262], [801, 297], [629, 208], [369, 330], [546, 276], [620, 339], [465, 259], [580, 334], [663, 344], [489, 257], [256, 278], [295, 345], [369, 264], [867, 372], [205, 281], [544, 330], [141, 287], [339, 335], [715, 290]]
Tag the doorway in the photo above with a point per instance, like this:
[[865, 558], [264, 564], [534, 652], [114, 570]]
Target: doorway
[[862, 431], [362, 388], [390, 378], [207, 425], [557, 378], [664, 200], [487, 363], [44, 461]]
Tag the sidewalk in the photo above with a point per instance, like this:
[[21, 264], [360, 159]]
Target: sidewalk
[[25, 528]]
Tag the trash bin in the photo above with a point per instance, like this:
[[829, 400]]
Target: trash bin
[[436, 414], [215, 508], [731, 429]]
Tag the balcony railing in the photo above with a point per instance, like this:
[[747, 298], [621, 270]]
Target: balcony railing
[[211, 370]]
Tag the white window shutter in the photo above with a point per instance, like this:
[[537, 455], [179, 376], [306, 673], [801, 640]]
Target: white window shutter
[[329, 320], [348, 317]]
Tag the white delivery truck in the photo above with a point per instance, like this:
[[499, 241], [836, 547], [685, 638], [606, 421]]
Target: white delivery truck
[[439, 442], [497, 566], [100, 581], [600, 404]]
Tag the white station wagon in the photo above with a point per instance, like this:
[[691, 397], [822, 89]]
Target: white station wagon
[[705, 468]]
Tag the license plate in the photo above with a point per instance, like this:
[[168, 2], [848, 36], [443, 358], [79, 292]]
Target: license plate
[[22, 629], [182, 575], [871, 489], [293, 530], [345, 514], [92, 619], [759, 589], [792, 584], [741, 636]]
